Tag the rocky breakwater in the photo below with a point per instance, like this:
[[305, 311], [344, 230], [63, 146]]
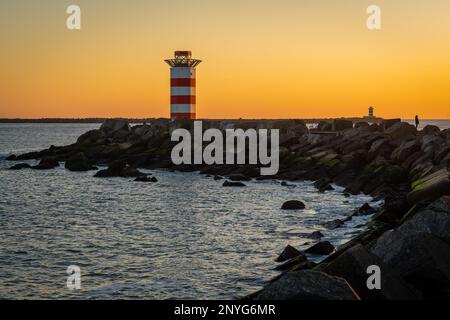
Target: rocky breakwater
[[408, 169]]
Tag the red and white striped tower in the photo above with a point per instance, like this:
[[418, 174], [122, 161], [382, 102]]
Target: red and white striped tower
[[182, 85]]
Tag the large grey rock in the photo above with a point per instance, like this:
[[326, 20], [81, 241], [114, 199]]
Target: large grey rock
[[141, 130], [288, 253], [430, 129], [431, 187], [78, 162], [364, 210], [91, 136], [434, 219], [374, 127], [113, 125], [119, 169], [380, 147], [121, 134], [239, 177], [333, 224], [421, 259], [441, 205], [405, 150], [321, 248], [442, 153], [352, 265], [47, 163], [146, 179], [293, 205], [387, 123], [307, 285], [297, 263], [431, 144], [233, 184], [322, 183], [401, 131], [20, 166], [421, 168], [445, 134]]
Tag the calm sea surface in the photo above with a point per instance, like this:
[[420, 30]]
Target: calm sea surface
[[443, 124], [183, 237]]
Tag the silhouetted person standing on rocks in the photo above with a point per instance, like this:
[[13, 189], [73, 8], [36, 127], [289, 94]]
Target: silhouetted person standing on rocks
[[417, 121]]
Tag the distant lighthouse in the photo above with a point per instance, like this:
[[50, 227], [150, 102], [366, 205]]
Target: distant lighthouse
[[182, 85]]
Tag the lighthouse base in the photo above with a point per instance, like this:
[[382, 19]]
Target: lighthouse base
[[182, 116]]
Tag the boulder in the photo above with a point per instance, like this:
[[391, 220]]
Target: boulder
[[288, 253], [354, 159], [322, 183], [316, 235], [434, 220], [334, 224], [146, 179], [20, 166], [430, 129], [421, 259], [374, 127], [298, 263], [328, 187], [411, 159], [393, 211], [442, 204], [405, 150], [131, 172], [121, 134], [47, 163], [431, 144], [119, 169], [307, 285], [217, 177], [113, 125], [353, 264], [233, 184], [78, 162], [380, 147], [293, 205], [430, 187], [445, 134], [420, 169], [387, 123], [321, 248], [401, 131], [353, 187], [342, 124], [91, 136], [239, 177], [142, 131], [365, 210]]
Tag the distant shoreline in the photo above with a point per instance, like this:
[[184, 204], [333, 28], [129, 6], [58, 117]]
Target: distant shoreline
[[142, 120]]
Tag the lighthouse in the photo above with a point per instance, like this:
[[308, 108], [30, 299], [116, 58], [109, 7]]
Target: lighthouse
[[182, 85]]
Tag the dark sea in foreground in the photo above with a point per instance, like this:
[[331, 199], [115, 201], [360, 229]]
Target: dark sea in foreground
[[183, 237]]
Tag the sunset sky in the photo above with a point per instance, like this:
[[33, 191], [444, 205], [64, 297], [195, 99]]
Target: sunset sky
[[261, 58]]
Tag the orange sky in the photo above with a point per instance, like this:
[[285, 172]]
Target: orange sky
[[261, 58]]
